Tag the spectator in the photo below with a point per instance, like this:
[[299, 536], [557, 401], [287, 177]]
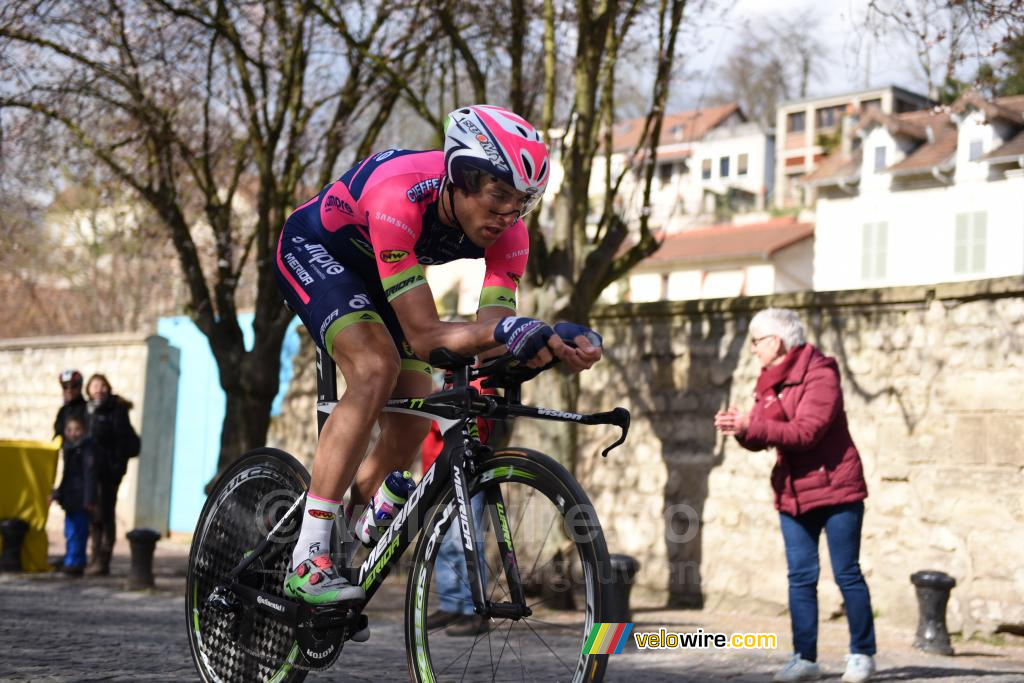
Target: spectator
[[818, 482], [77, 492], [116, 441], [74, 404]]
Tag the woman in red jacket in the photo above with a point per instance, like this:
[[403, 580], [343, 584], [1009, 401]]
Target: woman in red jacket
[[818, 482]]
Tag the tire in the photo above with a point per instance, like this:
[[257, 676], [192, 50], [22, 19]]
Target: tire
[[248, 499], [538, 494]]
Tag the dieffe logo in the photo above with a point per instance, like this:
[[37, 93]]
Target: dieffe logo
[[321, 514], [393, 255]]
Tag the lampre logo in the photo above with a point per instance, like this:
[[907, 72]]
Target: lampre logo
[[333, 202], [318, 254], [393, 255], [321, 514]]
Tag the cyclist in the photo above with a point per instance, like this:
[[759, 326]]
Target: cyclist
[[350, 263]]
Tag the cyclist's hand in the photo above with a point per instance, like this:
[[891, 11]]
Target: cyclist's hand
[[580, 346], [526, 339]]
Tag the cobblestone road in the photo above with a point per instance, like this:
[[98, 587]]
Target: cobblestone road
[[59, 629]]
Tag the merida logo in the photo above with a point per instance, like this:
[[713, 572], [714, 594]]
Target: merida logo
[[267, 603], [395, 289]]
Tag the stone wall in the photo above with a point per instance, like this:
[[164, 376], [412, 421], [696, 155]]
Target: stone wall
[[931, 379], [29, 371]]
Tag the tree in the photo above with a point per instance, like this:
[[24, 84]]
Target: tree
[[947, 35], [571, 261], [772, 63], [221, 117]]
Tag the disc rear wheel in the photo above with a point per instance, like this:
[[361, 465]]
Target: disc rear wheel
[[247, 502]]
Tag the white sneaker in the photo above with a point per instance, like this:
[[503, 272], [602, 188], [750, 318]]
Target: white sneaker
[[858, 668], [798, 669]]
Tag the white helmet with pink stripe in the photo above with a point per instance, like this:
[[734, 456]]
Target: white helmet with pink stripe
[[499, 142]]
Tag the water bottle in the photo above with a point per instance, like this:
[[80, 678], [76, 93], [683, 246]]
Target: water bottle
[[384, 507]]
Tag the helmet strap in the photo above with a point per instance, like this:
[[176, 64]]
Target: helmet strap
[[450, 187]]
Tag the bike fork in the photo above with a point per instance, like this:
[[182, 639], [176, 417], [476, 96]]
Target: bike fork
[[474, 552]]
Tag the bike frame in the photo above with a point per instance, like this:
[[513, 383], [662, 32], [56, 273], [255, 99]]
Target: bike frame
[[456, 411]]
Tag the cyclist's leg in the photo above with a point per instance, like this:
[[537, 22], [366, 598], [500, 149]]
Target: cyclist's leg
[[400, 434], [331, 300]]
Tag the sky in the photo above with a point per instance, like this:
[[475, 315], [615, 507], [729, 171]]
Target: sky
[[856, 59]]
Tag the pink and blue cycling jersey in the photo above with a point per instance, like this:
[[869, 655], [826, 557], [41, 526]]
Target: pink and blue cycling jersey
[[365, 238]]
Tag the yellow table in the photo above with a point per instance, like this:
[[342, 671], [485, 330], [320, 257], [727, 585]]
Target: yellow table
[[28, 469]]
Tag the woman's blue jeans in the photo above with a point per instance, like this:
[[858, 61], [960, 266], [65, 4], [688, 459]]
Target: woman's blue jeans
[[842, 526]]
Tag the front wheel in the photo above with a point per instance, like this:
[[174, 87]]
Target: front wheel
[[531, 504]]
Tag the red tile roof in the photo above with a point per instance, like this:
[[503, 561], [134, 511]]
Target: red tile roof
[[836, 168], [1010, 150], [1008, 108], [684, 126], [731, 242], [940, 150], [897, 124]]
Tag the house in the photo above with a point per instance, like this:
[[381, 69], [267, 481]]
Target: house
[[711, 163], [923, 197], [810, 129], [766, 257]]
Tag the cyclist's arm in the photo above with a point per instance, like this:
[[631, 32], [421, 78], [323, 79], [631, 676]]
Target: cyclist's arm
[[426, 331]]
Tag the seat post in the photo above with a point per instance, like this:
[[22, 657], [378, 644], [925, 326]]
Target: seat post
[[326, 387]]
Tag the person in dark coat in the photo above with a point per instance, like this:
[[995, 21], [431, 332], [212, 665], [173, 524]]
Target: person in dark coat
[[77, 492], [74, 404], [116, 441], [818, 482]]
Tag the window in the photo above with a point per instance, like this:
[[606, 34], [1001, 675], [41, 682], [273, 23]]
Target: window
[[705, 169], [879, 158], [874, 251], [796, 122], [828, 117], [723, 167], [977, 147], [868, 105], [665, 173], [741, 164], [970, 242]]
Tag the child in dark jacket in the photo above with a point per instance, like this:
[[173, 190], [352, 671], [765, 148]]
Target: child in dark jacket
[[77, 492]]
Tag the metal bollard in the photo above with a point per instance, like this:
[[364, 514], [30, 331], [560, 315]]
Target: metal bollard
[[933, 589], [13, 532], [143, 543], [623, 571]]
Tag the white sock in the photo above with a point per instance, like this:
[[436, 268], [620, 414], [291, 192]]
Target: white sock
[[318, 518]]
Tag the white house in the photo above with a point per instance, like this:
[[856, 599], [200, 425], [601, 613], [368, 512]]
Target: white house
[[924, 197], [724, 261], [711, 163]]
